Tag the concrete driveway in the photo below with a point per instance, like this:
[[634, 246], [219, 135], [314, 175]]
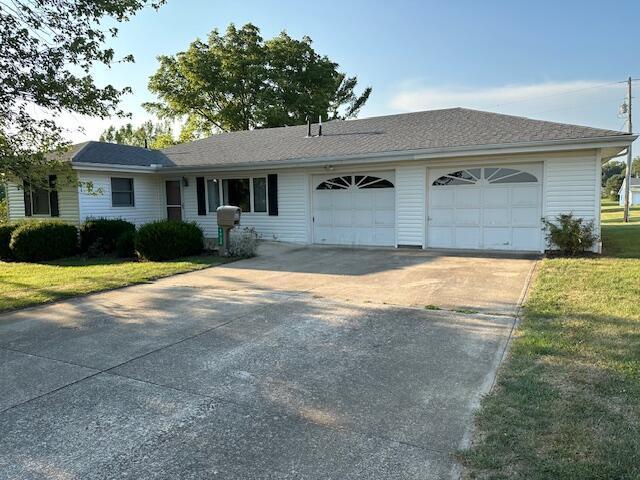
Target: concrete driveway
[[301, 363]]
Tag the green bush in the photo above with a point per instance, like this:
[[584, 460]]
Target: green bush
[[125, 245], [571, 235], [99, 235], [5, 237], [47, 240], [166, 239]]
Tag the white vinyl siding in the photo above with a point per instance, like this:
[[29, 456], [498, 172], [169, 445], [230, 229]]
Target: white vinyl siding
[[67, 203], [149, 198], [15, 199], [290, 225], [410, 204], [571, 185]]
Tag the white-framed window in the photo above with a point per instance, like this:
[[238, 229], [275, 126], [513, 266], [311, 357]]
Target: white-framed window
[[259, 191], [213, 194], [122, 194], [248, 193]]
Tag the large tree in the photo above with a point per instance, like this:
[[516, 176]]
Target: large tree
[[239, 81], [149, 134], [47, 49]]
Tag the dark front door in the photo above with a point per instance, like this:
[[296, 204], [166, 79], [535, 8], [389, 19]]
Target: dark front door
[[174, 200]]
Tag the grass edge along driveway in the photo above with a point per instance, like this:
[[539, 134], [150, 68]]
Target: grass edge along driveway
[[567, 401], [27, 284]]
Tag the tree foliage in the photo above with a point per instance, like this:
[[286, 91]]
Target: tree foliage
[[47, 48], [613, 185], [635, 167], [4, 211], [610, 169], [156, 135], [239, 81]]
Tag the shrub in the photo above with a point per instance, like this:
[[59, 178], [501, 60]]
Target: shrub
[[48, 240], [167, 239], [5, 237], [99, 235], [125, 245], [243, 243], [571, 235]]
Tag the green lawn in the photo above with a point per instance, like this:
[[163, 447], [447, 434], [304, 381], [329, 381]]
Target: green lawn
[[23, 284], [567, 401]]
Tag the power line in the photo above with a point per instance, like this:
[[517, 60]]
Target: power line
[[560, 93], [583, 105], [565, 92]]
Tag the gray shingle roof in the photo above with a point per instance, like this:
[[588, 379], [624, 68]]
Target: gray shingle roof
[[634, 181], [112, 153], [454, 127], [435, 129]]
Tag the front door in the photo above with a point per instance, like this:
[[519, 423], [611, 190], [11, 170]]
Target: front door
[[174, 199]]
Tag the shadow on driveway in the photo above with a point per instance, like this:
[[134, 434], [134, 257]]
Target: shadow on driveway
[[244, 372]]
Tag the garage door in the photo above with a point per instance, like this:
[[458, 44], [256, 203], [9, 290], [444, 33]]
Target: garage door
[[492, 207], [355, 209]]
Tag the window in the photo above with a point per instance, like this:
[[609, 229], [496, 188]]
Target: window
[[250, 194], [490, 174], [122, 192], [508, 175], [236, 192], [213, 194], [461, 177], [260, 194], [40, 201], [357, 181]]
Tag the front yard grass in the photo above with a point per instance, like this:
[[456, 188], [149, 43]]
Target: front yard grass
[[567, 401], [24, 284]]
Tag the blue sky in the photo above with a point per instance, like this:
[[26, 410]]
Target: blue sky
[[507, 56]]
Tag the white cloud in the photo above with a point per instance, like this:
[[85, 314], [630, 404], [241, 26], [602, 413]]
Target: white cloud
[[585, 102], [426, 98]]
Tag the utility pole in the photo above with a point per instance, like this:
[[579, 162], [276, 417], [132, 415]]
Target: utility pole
[[627, 186]]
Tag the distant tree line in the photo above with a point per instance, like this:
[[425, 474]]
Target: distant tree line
[[613, 174]]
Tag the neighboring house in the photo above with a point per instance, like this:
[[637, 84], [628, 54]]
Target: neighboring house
[[453, 178], [634, 190]]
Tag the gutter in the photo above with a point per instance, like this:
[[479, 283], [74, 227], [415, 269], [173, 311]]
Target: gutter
[[380, 157], [116, 167]]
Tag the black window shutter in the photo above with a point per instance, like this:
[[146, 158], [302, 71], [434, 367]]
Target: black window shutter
[[272, 183], [53, 196], [27, 198], [202, 203]]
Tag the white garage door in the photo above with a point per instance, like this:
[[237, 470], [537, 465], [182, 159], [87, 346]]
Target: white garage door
[[494, 208], [356, 209]]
